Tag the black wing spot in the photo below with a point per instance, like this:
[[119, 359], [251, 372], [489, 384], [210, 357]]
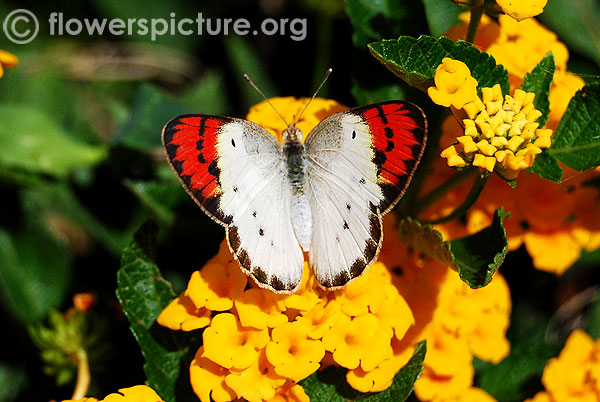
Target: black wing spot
[[348, 206], [362, 181], [353, 134], [235, 189], [346, 225], [201, 158], [337, 238], [261, 232], [254, 214], [213, 169], [389, 132], [390, 146], [232, 142], [379, 158], [200, 144]]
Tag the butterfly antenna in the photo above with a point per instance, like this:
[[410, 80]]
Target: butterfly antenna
[[327, 74], [264, 97]]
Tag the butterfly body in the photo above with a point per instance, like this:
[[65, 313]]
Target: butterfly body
[[325, 196]]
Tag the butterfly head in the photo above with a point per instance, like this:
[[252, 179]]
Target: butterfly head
[[292, 135]]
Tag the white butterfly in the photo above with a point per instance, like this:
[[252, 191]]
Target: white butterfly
[[325, 196]]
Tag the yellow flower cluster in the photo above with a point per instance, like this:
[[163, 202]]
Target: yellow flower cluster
[[138, 393], [458, 322], [499, 130], [575, 374], [257, 344], [556, 221], [453, 84], [522, 9], [7, 60]]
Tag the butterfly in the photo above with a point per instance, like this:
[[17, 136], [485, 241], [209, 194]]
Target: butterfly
[[325, 196]]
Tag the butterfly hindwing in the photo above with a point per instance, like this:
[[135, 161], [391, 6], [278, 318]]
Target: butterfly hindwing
[[359, 163], [235, 170]]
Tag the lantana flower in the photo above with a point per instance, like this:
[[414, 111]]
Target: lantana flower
[[575, 374], [453, 84], [557, 220], [137, 393], [522, 9], [500, 134], [7, 60]]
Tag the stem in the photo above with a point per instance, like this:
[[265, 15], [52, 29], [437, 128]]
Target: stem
[[470, 199], [83, 376], [444, 188], [476, 14]]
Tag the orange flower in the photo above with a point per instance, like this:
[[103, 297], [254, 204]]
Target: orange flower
[[522, 9], [362, 340], [182, 314], [575, 374], [7, 60], [293, 354], [227, 343], [208, 380], [256, 383], [137, 393]]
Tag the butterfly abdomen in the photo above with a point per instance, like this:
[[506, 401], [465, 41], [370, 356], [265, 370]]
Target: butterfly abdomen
[[293, 149]]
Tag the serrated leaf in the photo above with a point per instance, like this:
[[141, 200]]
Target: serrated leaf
[[576, 141], [426, 239], [415, 60], [144, 293], [32, 141], [539, 81], [475, 257], [480, 254], [547, 167], [330, 383]]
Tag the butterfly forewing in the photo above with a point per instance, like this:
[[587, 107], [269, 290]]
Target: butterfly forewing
[[235, 171], [359, 165]]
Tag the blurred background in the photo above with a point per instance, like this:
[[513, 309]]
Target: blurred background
[[82, 167]]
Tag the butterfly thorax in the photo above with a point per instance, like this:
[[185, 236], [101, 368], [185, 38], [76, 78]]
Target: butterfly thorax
[[293, 149]]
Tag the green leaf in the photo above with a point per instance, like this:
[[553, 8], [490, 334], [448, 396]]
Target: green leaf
[[576, 141], [158, 197], [480, 254], [373, 20], [151, 110], [330, 384], [441, 15], [12, 380], [144, 293], [208, 95], [35, 271], [244, 60], [539, 81], [30, 140], [547, 167], [415, 60], [426, 239], [475, 257]]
